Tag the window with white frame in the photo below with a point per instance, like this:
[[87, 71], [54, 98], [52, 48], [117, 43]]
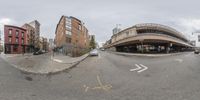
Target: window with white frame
[[17, 33], [16, 40], [68, 23], [10, 32], [9, 39], [22, 34], [68, 32], [79, 27], [22, 41]]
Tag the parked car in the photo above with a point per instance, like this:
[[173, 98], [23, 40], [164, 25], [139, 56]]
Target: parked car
[[196, 51], [94, 52], [102, 49], [38, 52]]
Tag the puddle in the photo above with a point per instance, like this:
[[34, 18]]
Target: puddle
[[28, 78]]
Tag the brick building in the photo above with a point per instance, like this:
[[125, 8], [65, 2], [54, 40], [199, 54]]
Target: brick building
[[71, 36], [31, 43], [14, 39], [43, 44], [36, 25], [33, 35]]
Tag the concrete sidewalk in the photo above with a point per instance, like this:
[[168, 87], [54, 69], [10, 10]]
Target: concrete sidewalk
[[42, 64], [66, 59], [145, 55]]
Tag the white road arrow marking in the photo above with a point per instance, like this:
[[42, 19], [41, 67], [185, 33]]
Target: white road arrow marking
[[144, 68], [140, 68]]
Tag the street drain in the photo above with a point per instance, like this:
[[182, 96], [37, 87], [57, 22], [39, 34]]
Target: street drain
[[28, 78]]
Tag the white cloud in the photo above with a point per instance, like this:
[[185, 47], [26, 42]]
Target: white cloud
[[4, 21], [186, 25], [190, 25]]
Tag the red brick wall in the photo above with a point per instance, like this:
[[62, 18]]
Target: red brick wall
[[13, 37]]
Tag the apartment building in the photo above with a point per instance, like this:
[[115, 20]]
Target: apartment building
[[31, 40], [14, 40], [36, 25], [71, 36]]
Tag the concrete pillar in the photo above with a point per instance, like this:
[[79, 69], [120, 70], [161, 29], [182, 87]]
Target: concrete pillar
[[142, 47], [158, 48], [167, 48]]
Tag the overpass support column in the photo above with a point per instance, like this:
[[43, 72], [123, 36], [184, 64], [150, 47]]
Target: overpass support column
[[142, 47], [167, 48]]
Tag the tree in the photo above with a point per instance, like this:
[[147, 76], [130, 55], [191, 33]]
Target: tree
[[92, 43]]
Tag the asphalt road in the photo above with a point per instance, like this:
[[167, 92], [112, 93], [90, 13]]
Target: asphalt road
[[108, 77]]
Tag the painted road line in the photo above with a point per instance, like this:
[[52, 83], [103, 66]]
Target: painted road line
[[100, 86], [179, 60], [138, 67], [144, 68], [57, 60]]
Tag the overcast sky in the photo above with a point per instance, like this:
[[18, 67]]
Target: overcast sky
[[101, 16]]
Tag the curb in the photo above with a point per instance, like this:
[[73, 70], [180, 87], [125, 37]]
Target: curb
[[60, 61], [74, 64], [144, 55]]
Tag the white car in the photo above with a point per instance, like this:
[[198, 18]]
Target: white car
[[94, 52]]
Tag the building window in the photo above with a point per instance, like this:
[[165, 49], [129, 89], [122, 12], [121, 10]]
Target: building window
[[10, 40], [68, 32], [22, 34], [16, 40], [17, 33], [22, 41], [68, 27], [68, 23], [79, 27], [10, 32]]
